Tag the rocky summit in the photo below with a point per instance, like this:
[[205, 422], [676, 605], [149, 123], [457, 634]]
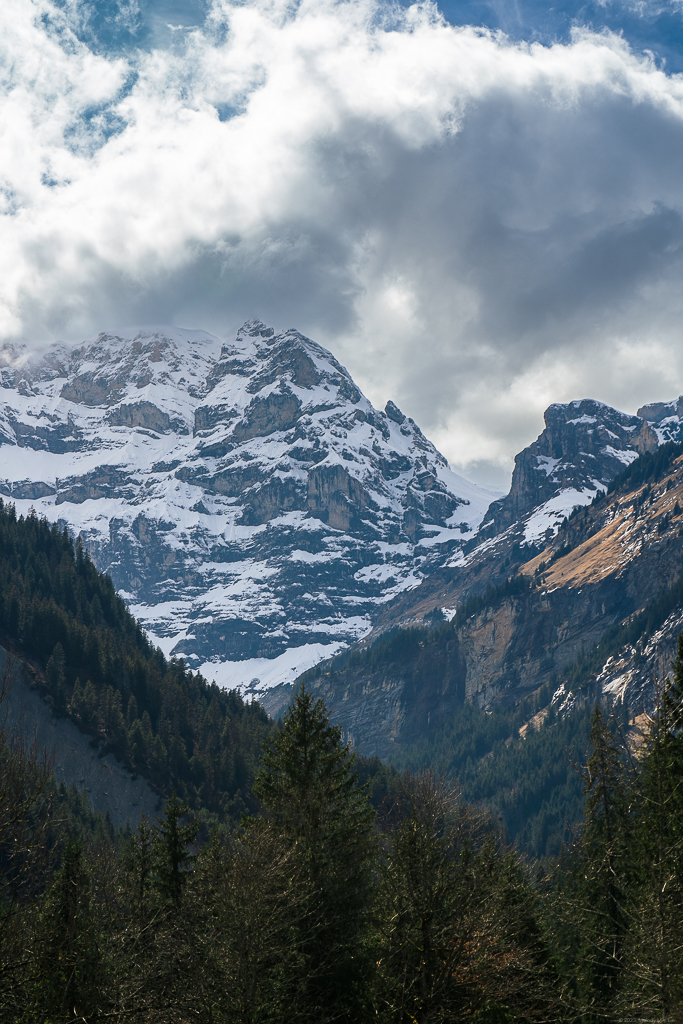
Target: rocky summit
[[250, 504]]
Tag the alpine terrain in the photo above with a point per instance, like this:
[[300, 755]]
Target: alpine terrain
[[249, 503]]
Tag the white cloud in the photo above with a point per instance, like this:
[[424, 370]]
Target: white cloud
[[477, 228]]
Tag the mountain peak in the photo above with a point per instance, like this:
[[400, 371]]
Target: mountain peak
[[584, 445], [247, 499]]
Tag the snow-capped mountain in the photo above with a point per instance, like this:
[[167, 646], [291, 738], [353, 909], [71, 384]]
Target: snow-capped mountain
[[248, 501], [582, 448]]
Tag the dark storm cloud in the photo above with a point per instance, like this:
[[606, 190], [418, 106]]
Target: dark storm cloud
[[476, 228]]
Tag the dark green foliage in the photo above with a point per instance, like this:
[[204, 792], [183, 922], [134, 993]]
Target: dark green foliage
[[166, 722], [492, 596], [139, 862], [320, 912], [395, 647], [528, 783], [458, 930], [605, 872], [308, 786], [537, 793], [173, 858], [399, 646], [656, 954], [70, 981], [383, 781]]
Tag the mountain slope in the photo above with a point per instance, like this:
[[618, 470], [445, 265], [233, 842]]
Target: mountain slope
[[501, 696], [606, 563], [584, 446], [89, 659], [247, 500]]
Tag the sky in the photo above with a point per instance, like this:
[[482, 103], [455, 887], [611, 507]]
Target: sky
[[477, 207]]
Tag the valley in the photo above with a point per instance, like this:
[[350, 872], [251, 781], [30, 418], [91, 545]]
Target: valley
[[267, 526]]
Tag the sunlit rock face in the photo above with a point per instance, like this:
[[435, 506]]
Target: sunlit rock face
[[246, 498]]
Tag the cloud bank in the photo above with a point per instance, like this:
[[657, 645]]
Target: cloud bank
[[476, 227]]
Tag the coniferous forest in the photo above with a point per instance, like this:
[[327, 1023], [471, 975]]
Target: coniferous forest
[[287, 880]]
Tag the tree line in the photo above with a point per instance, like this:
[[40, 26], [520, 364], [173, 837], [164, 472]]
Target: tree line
[[321, 887], [96, 666], [319, 908]]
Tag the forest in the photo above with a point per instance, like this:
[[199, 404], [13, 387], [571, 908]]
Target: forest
[[318, 886]]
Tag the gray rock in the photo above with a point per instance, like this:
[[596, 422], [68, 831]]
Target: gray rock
[[109, 786]]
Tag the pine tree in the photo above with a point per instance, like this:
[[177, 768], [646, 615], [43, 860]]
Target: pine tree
[[308, 786], [70, 975], [605, 872], [656, 949], [139, 865], [173, 858]]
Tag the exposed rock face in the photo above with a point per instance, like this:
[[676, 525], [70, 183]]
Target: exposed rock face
[[665, 418], [584, 445], [246, 498], [140, 414], [264, 416], [335, 497], [607, 563], [632, 673], [108, 785]]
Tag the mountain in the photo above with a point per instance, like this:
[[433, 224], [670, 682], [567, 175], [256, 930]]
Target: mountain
[[249, 503], [584, 446], [257, 514], [82, 667], [527, 611], [501, 696]]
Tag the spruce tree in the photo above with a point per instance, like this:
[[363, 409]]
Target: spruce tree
[[656, 954], [139, 865], [308, 786], [69, 970], [174, 858], [605, 872]]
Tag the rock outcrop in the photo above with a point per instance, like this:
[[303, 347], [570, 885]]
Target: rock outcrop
[[584, 445]]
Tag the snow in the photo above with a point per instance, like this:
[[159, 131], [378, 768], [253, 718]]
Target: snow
[[178, 548], [258, 674], [552, 512], [547, 464], [624, 455]]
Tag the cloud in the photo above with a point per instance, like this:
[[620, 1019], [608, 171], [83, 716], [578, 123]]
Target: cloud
[[476, 227]]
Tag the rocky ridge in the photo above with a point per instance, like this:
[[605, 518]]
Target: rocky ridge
[[535, 610], [583, 446], [248, 501]]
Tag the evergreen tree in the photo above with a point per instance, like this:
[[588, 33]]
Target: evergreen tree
[[139, 865], [656, 948], [173, 858], [55, 672], [70, 974], [605, 872], [308, 786], [249, 902], [458, 935]]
